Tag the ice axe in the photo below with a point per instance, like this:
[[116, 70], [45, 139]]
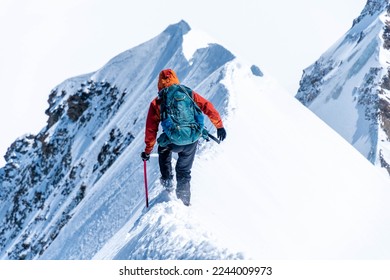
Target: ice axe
[[146, 185], [207, 135], [214, 138]]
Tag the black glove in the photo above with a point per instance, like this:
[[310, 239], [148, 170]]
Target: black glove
[[145, 156], [221, 133]]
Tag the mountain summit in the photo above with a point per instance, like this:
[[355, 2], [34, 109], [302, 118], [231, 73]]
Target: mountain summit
[[282, 185], [349, 85]]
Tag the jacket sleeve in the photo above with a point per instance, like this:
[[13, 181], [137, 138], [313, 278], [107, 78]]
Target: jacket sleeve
[[208, 109], [151, 129]]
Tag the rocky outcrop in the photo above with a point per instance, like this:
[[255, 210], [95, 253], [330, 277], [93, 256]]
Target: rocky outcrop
[[371, 8], [349, 85], [41, 168]]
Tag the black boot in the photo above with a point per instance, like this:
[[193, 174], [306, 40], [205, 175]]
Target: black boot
[[183, 192], [167, 184]]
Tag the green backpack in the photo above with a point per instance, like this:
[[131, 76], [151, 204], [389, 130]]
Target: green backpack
[[182, 120]]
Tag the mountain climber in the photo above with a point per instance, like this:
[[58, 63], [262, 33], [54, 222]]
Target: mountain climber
[[184, 140]]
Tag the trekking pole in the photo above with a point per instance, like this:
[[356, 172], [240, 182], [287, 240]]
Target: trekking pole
[[146, 185]]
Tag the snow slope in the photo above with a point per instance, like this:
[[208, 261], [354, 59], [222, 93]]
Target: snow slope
[[347, 86], [283, 185], [296, 190]]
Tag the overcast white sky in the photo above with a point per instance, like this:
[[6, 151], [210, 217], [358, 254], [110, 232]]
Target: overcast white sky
[[44, 42]]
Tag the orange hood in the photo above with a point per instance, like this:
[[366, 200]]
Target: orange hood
[[167, 78]]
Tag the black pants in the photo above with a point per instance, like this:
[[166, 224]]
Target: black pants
[[186, 155]]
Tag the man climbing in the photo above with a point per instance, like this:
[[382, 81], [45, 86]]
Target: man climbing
[[179, 109]]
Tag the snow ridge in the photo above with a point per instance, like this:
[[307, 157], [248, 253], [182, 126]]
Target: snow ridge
[[179, 235]]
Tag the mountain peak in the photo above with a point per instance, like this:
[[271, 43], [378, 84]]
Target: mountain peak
[[372, 7], [181, 27]]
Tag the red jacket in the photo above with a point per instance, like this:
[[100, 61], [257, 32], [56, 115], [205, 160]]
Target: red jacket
[[153, 119]]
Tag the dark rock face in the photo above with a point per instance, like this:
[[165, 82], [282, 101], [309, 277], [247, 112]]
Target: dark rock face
[[311, 82], [41, 166]]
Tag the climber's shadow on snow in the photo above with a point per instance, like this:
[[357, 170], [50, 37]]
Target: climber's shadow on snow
[[163, 196]]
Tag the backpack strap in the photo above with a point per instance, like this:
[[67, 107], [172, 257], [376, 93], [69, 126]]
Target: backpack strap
[[191, 97], [164, 108]]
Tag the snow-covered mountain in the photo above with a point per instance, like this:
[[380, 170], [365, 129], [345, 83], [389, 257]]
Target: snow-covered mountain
[[349, 85], [282, 185]]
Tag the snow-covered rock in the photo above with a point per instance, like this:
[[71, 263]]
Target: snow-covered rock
[[348, 86]]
